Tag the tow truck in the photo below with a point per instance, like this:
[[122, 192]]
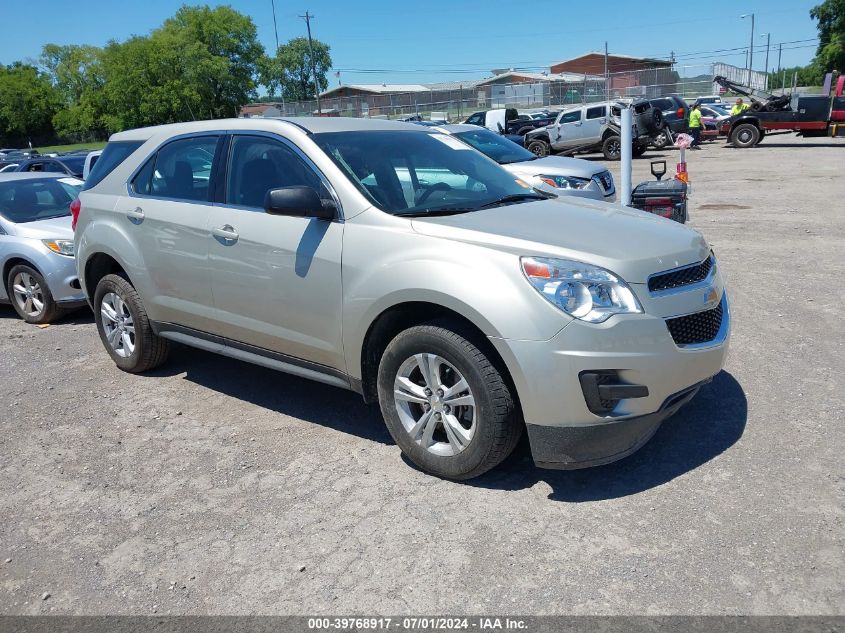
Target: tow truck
[[807, 115]]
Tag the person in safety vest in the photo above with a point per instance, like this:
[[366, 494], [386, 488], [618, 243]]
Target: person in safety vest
[[739, 107], [695, 126]]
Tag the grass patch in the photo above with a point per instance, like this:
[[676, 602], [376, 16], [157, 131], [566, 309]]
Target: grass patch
[[69, 148]]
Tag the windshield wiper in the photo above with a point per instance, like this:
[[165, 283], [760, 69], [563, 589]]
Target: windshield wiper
[[513, 198], [434, 212]]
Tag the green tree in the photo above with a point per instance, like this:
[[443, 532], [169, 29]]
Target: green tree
[[217, 56], [28, 102], [290, 69], [831, 52], [77, 74]]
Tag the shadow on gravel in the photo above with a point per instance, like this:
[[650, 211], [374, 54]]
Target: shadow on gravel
[[706, 427], [82, 316], [315, 402]]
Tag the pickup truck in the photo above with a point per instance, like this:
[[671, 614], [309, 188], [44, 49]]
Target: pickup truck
[[808, 115], [507, 121], [595, 127]]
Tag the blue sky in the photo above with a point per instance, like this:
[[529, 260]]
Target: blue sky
[[399, 41]]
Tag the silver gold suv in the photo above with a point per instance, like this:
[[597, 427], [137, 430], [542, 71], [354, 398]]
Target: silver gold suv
[[396, 261]]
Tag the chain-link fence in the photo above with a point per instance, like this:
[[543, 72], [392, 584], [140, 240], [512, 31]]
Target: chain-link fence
[[456, 100]]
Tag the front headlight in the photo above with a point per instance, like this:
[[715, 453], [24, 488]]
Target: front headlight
[[565, 182], [62, 247], [583, 291]]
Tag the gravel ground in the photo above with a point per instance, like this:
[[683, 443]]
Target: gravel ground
[[212, 486]]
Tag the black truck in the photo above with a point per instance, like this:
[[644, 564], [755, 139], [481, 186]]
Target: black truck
[[808, 115]]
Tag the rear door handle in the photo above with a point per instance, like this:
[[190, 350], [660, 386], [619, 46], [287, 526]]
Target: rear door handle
[[136, 215], [226, 233]]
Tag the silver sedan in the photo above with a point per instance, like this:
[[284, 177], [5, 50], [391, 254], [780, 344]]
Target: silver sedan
[[556, 174], [36, 245]]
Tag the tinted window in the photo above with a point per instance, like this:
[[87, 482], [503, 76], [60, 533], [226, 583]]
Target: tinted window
[[114, 154], [571, 117], [596, 112], [664, 104], [30, 200], [408, 172], [258, 164], [183, 169], [476, 119], [74, 164], [495, 146], [142, 181]]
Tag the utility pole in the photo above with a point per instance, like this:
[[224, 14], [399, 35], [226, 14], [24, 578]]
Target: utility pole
[[751, 49], [308, 17], [783, 80], [768, 39], [276, 33], [606, 87]]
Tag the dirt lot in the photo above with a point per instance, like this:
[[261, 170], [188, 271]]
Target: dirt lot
[[212, 486]]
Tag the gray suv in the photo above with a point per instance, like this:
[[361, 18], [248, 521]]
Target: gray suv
[[398, 262]]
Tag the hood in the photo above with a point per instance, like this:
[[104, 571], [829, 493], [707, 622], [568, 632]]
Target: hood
[[631, 243], [53, 228], [557, 166]]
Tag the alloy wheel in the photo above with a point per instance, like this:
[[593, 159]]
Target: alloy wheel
[[28, 294], [435, 404], [118, 324]]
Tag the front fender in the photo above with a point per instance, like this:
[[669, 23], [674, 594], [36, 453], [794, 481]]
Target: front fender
[[484, 285]]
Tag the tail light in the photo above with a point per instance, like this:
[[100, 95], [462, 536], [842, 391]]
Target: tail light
[[680, 113], [659, 206], [75, 208]]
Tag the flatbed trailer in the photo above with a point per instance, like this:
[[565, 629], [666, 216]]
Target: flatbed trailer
[[808, 115]]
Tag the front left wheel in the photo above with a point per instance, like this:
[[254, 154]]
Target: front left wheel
[[445, 403], [124, 327]]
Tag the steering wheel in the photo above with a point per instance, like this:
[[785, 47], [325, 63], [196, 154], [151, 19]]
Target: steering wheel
[[430, 189]]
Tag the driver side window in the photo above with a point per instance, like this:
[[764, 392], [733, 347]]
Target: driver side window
[[571, 117], [258, 164]]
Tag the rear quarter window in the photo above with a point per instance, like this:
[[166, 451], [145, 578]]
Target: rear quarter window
[[113, 155]]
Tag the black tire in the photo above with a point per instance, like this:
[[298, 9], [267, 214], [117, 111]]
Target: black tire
[[611, 147], [638, 150], [498, 425], [745, 135], [661, 139], [149, 350], [657, 120], [539, 147], [50, 311]]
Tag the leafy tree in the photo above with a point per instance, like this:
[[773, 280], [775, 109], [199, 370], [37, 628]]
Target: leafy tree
[[831, 52], [217, 56], [290, 69], [73, 69], [28, 102]]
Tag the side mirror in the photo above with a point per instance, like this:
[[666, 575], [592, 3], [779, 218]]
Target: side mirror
[[501, 129], [299, 201]]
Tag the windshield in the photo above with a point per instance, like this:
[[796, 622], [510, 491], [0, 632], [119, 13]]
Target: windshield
[[406, 172], [495, 146], [37, 199]]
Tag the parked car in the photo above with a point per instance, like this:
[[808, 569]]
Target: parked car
[[556, 174], [468, 305], [69, 165], [90, 159], [594, 127], [507, 121], [709, 100], [36, 245], [7, 165], [675, 118]]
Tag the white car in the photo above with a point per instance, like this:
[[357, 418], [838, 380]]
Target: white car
[[89, 162], [555, 174]]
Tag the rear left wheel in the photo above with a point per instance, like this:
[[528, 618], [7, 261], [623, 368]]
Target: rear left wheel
[[30, 296], [124, 327], [445, 403], [612, 148]]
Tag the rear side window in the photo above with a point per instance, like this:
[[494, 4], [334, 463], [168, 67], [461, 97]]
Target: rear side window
[[114, 154], [183, 169], [571, 117], [595, 112]]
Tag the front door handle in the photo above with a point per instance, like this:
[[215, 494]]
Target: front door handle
[[227, 233], [136, 215]]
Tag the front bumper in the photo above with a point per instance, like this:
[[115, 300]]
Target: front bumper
[[563, 431]]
